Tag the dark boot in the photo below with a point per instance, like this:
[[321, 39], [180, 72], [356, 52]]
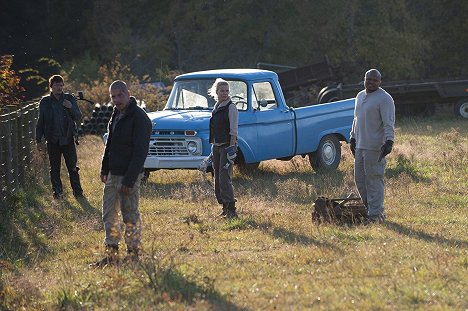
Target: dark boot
[[75, 182], [111, 257], [231, 210], [224, 211]]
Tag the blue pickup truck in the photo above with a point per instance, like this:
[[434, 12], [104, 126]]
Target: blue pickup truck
[[268, 128]]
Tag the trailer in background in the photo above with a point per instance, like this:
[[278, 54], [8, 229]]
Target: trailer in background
[[411, 97]]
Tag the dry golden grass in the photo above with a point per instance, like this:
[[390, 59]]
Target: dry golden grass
[[273, 257]]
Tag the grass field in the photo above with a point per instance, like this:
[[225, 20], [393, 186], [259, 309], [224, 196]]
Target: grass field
[[272, 258]]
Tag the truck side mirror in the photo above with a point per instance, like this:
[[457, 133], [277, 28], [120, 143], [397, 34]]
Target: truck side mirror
[[80, 94]]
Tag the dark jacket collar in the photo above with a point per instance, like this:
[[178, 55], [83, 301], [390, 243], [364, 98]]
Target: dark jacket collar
[[132, 106]]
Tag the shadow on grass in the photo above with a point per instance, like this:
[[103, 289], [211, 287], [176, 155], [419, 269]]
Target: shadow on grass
[[23, 238], [283, 234], [27, 223], [291, 237], [86, 207], [179, 288], [159, 273], [421, 235]]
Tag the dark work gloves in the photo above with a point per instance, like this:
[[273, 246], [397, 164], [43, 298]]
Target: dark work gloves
[[231, 153], [352, 145], [386, 149]]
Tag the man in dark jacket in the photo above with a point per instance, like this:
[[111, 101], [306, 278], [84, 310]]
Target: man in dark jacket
[[58, 113], [125, 153]]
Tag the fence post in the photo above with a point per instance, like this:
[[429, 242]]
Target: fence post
[[9, 187], [20, 147], [28, 133], [3, 160], [13, 153]]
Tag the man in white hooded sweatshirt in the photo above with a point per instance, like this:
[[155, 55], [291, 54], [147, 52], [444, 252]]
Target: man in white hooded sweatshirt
[[372, 136]]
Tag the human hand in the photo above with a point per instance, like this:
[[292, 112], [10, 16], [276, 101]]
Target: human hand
[[124, 190], [386, 149], [206, 162], [352, 145], [67, 103], [103, 178]]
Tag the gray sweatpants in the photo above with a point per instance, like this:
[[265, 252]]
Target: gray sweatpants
[[369, 179], [114, 202], [223, 185]]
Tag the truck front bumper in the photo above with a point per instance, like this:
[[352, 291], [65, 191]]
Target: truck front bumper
[[173, 162]]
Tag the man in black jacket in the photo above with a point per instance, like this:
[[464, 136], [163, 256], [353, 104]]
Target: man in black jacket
[[58, 113], [125, 153]]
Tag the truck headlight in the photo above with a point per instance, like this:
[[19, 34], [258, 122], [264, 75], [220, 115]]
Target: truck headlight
[[192, 147]]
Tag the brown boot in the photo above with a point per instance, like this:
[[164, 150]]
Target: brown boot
[[111, 257]]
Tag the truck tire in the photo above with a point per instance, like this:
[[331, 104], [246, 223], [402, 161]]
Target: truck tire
[[461, 108], [328, 155]]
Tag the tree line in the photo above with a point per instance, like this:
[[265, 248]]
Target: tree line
[[404, 39]]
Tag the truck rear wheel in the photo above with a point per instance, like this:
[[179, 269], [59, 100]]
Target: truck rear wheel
[[328, 155], [461, 108]]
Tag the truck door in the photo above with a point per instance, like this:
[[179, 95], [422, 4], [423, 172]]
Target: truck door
[[274, 123]]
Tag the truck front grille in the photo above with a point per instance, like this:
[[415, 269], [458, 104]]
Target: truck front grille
[[168, 146]]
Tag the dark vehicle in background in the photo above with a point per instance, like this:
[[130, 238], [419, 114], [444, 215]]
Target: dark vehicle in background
[[411, 97]]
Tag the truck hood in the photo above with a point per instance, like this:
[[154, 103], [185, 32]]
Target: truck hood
[[180, 119]]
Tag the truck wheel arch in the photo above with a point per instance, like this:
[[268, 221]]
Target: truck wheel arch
[[245, 168], [327, 157]]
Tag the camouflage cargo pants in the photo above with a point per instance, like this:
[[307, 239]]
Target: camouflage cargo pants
[[113, 203]]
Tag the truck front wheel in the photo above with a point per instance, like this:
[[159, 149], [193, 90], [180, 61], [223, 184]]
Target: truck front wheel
[[461, 108], [328, 155]]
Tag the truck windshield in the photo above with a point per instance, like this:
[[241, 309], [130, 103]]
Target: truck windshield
[[193, 95]]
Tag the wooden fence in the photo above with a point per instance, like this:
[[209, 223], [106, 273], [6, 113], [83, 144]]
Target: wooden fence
[[17, 136]]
